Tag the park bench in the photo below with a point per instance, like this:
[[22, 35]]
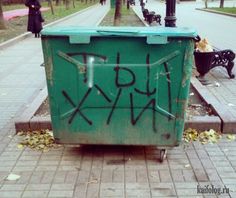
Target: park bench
[[207, 57], [151, 16], [132, 2], [205, 61]]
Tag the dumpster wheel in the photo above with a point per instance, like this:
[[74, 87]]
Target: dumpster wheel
[[163, 153]]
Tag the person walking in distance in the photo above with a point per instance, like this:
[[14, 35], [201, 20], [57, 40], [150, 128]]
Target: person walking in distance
[[35, 18]]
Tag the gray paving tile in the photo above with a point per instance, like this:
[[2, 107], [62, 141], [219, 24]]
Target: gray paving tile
[[36, 193], [10, 194]]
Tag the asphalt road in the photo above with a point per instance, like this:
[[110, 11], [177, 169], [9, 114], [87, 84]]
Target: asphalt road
[[220, 30]]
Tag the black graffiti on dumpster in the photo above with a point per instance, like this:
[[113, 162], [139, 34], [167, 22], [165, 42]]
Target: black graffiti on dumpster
[[151, 101]]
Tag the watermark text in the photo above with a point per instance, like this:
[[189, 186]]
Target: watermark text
[[211, 189]]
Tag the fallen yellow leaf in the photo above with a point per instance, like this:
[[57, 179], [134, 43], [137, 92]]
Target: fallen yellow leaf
[[231, 137], [39, 140], [204, 137], [20, 146], [20, 133]]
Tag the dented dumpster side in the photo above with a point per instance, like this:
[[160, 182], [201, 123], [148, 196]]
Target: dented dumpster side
[[123, 90]]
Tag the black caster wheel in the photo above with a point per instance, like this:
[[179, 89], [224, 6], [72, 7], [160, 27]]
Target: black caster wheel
[[163, 153]]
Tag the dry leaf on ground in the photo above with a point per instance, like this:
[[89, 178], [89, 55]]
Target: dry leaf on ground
[[231, 137], [190, 135], [39, 140], [20, 146], [210, 136], [94, 181], [204, 137]]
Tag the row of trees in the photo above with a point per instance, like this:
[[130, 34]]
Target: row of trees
[[221, 3], [67, 4]]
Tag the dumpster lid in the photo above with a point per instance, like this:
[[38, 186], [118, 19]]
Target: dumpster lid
[[154, 35], [120, 31]]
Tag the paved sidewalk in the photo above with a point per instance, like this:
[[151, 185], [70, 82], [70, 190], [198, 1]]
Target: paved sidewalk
[[117, 172], [97, 171]]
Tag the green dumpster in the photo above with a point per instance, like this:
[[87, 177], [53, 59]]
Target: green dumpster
[[118, 86]]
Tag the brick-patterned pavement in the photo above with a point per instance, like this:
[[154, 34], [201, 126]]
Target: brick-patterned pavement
[[116, 171]]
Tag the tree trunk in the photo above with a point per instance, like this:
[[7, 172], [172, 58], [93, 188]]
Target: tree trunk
[[117, 16], [58, 2], [51, 6], [206, 5], [221, 3], [67, 4], [127, 4], [73, 2], [2, 22]]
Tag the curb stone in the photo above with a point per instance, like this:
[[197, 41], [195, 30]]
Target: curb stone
[[216, 12], [228, 120], [23, 122]]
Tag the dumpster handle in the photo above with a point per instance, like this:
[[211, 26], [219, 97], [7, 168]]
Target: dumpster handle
[[117, 33]]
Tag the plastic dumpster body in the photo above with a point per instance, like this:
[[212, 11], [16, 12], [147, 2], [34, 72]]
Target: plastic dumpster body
[[118, 86]]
